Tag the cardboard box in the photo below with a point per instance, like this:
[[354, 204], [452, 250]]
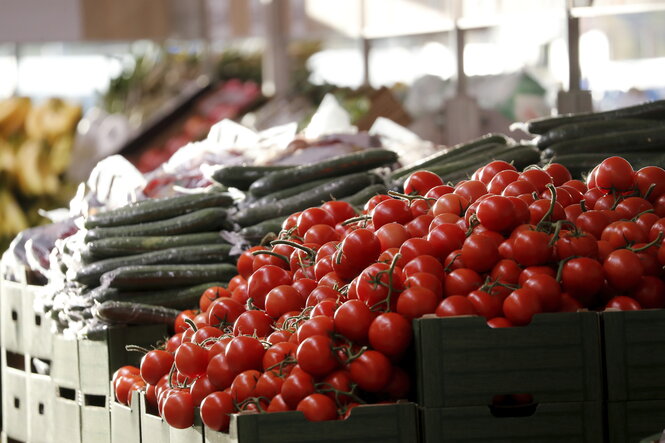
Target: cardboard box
[[632, 420], [153, 428], [41, 408], [95, 419], [634, 354], [548, 423], [126, 421], [460, 361], [12, 316], [38, 335], [372, 423], [14, 403], [67, 416], [65, 363]]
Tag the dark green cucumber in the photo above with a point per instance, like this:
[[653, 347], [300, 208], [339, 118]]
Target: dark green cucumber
[[456, 151], [332, 167], [649, 139], [289, 192], [203, 220], [121, 312], [179, 298], [242, 176], [124, 246], [649, 110], [254, 234], [138, 278], [342, 186], [158, 209], [361, 197], [582, 163], [572, 131], [89, 275]]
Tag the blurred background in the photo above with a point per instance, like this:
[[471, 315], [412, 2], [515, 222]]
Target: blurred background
[[84, 79]]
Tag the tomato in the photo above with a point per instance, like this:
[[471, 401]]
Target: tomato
[[361, 248], [123, 385], [253, 322], [499, 322], [282, 299], [389, 211], [180, 325], [582, 278], [462, 281], [392, 235], [488, 172], [219, 373], [558, 172], [298, 385], [606, 202], [277, 404], [631, 206], [211, 294], [371, 371], [623, 269], [576, 184], [480, 252], [497, 213], [224, 311], [485, 304], [615, 174], [593, 222], [240, 294], [200, 389], [313, 216], [339, 209], [650, 293], [374, 284], [517, 188], [531, 248], [318, 407], [419, 226], [415, 247], [575, 244], [320, 234], [569, 304], [446, 238], [374, 201], [622, 233], [471, 190], [338, 381], [623, 303], [420, 182], [521, 305], [538, 178], [501, 180], [547, 289], [243, 353], [506, 270], [352, 319], [191, 359], [263, 280], [390, 333], [304, 286], [416, 301], [178, 410], [244, 385], [315, 355], [539, 208], [218, 347], [216, 409], [563, 197], [450, 204], [455, 305], [651, 177], [424, 263], [279, 354], [155, 364], [426, 280]]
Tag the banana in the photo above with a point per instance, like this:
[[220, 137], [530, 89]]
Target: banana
[[60, 119], [13, 112], [28, 172], [13, 220], [59, 156], [7, 157], [34, 122]]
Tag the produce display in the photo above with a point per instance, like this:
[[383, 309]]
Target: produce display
[[35, 145]]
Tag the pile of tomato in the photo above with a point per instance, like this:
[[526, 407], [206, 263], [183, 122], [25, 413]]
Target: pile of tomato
[[320, 321]]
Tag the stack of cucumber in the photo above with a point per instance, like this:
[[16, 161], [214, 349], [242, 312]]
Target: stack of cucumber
[[581, 141], [162, 252], [460, 161], [275, 192]]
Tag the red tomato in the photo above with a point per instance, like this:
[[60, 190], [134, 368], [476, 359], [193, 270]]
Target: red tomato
[[392, 235], [615, 173], [216, 409], [462, 281], [501, 180], [420, 182], [219, 372], [318, 407], [191, 359], [263, 280], [485, 304], [497, 213], [480, 252], [352, 319], [155, 364], [623, 269], [314, 216], [389, 211], [253, 322], [315, 355], [623, 303], [582, 278], [371, 371], [651, 177], [488, 172], [650, 293], [211, 294], [455, 305], [538, 178], [298, 385], [244, 385], [390, 333], [224, 311], [243, 353], [282, 299], [531, 248], [200, 389], [339, 209], [521, 305], [416, 301], [472, 190], [450, 204], [178, 409], [558, 172], [548, 291]]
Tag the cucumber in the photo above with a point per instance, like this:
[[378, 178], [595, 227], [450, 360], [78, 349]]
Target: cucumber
[[649, 139], [254, 234], [124, 246], [338, 188], [478, 145], [332, 167], [166, 276], [179, 298], [120, 312], [203, 220], [158, 209], [361, 197], [580, 164], [241, 176], [288, 192], [578, 130], [89, 275], [650, 110]]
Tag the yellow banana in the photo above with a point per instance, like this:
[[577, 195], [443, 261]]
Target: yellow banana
[[13, 112], [28, 173], [13, 220]]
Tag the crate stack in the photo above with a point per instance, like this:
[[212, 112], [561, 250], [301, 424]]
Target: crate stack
[[463, 365], [634, 363], [28, 396]]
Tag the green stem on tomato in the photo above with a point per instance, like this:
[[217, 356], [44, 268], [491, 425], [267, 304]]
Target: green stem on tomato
[[550, 210], [311, 252], [648, 245], [274, 254]]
